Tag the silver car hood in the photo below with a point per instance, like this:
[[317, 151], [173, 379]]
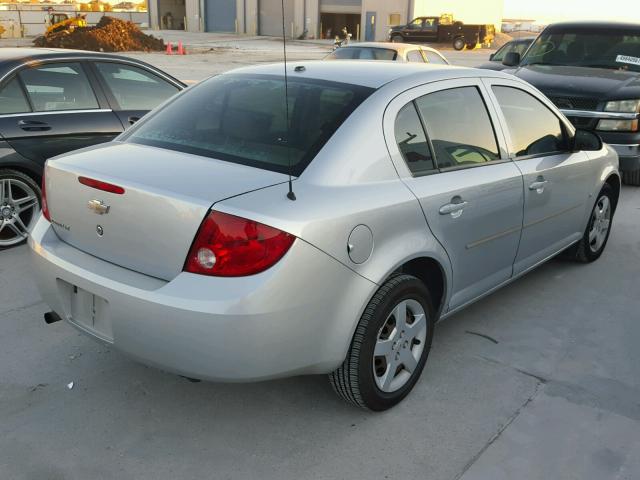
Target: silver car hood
[[150, 227]]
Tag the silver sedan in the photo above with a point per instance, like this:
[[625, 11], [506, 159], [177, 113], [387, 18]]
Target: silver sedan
[[234, 234]]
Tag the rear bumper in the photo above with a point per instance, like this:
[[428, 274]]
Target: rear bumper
[[629, 157], [295, 318]]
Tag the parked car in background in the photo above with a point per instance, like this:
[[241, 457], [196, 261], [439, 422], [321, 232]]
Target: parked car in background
[[184, 248], [443, 29], [495, 59], [399, 52], [54, 101], [591, 71]]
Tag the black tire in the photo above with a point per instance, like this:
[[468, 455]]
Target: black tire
[[471, 46], [583, 251], [5, 234], [459, 43], [631, 178], [354, 380], [397, 39]]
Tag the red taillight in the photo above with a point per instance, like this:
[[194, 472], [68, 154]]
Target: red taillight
[[45, 205], [230, 246], [104, 186]]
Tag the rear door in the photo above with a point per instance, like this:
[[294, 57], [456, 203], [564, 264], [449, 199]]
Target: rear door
[[132, 90], [64, 111], [470, 192], [556, 180]]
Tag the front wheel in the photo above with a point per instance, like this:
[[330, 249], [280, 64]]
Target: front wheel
[[459, 43], [390, 346], [397, 39], [596, 235]]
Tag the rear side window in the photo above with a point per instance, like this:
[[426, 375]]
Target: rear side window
[[242, 119], [134, 88], [533, 128], [434, 58], [415, 56], [412, 141], [58, 86], [12, 99], [459, 126]]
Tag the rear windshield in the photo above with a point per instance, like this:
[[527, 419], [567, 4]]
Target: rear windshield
[[611, 49], [362, 53], [242, 119]]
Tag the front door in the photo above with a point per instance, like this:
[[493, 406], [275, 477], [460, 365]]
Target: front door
[[59, 112], [370, 30], [556, 182], [470, 193]]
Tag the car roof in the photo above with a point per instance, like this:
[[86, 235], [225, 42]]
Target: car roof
[[366, 73], [389, 45], [595, 25], [10, 58]]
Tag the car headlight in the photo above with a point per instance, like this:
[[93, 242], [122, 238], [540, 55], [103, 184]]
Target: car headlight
[[618, 125], [623, 106]]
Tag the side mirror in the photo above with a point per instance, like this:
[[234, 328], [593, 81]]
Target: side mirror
[[586, 141], [511, 59], [491, 57]]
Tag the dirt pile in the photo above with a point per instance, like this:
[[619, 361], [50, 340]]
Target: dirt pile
[[109, 35]]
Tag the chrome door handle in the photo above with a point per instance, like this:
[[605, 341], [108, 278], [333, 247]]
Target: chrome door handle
[[538, 186], [453, 209]]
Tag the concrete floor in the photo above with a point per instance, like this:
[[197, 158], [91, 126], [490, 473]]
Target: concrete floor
[[554, 395]]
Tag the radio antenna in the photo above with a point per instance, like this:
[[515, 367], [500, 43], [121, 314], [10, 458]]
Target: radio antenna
[[290, 195]]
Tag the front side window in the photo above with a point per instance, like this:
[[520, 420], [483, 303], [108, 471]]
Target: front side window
[[242, 119], [58, 87], [134, 88], [534, 129], [415, 56], [412, 141], [415, 24], [12, 99], [459, 126]]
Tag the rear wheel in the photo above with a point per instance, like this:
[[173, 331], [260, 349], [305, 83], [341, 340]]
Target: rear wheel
[[390, 346], [458, 43], [19, 207], [397, 39], [631, 178]]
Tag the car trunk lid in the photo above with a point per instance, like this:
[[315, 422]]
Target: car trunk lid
[[149, 227]]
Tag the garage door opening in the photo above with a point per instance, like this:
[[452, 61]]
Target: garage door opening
[[331, 24], [172, 14]]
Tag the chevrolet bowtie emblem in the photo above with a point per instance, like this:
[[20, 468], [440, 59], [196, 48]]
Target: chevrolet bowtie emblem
[[97, 206]]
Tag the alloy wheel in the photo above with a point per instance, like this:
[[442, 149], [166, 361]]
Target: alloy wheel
[[19, 209], [600, 223], [399, 345]]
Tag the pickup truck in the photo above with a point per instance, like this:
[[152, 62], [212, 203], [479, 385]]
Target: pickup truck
[[443, 29], [591, 71]]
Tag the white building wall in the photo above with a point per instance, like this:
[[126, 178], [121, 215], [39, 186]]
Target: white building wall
[[383, 9]]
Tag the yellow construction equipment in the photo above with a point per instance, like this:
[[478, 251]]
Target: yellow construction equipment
[[62, 22]]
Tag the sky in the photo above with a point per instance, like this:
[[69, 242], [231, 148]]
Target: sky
[[545, 11]]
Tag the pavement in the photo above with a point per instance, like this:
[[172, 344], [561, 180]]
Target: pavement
[[540, 380]]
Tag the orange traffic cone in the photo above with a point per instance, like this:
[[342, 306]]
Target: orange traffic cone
[[181, 50], [169, 49]]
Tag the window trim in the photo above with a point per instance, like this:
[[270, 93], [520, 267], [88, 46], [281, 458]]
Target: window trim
[[6, 81], [87, 74], [429, 145], [512, 155]]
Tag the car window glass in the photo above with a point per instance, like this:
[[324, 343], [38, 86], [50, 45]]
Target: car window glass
[[463, 138], [12, 99], [61, 86], [242, 119], [500, 54], [533, 128], [434, 58], [412, 141], [134, 88], [362, 53], [415, 56], [417, 23]]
